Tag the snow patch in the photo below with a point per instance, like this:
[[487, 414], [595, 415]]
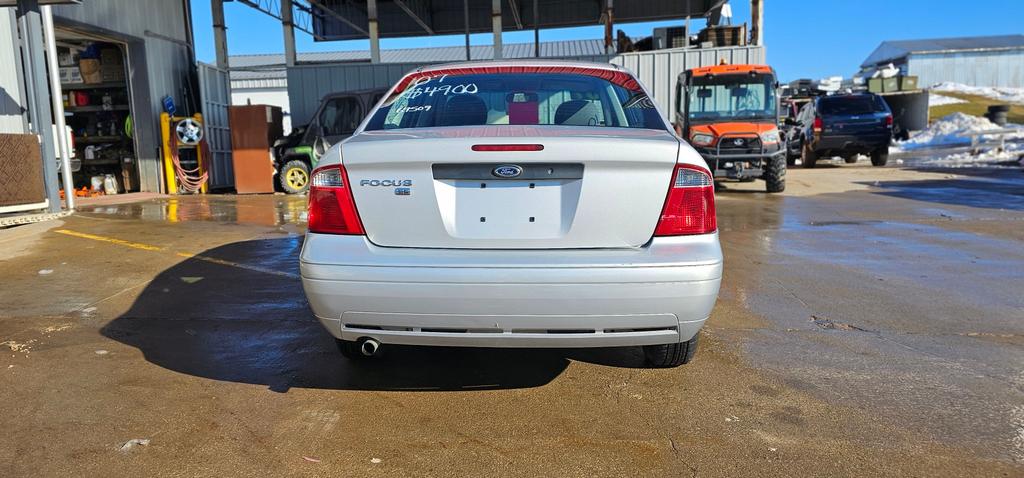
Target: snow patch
[[998, 93], [992, 157], [952, 130], [935, 99]]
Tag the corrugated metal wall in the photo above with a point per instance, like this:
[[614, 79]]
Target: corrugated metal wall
[[160, 63], [991, 68], [658, 70], [12, 111]]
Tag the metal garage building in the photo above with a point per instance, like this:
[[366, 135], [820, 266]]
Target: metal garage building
[[975, 61]]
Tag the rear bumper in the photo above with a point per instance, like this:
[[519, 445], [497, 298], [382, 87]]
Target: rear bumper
[[852, 143], [661, 293]]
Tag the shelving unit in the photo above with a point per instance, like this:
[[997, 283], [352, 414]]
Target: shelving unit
[[98, 129], [95, 108], [93, 86]]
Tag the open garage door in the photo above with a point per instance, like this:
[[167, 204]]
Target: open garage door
[[215, 93]]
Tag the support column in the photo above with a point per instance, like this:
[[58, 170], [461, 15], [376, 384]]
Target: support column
[[536, 31], [609, 25], [465, 23], [38, 96], [371, 14], [220, 33], [56, 98], [757, 22], [497, 27], [289, 32]]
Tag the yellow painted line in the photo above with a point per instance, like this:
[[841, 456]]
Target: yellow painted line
[[112, 240], [238, 265], [186, 255]]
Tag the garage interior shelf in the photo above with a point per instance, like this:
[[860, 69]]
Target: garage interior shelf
[[93, 86], [93, 109]]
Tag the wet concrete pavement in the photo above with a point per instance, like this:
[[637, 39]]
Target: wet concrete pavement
[[870, 323]]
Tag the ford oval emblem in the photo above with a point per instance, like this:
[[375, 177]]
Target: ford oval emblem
[[507, 171]]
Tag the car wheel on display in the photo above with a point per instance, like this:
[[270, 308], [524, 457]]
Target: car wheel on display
[[879, 157], [670, 355], [294, 177], [808, 156], [775, 174]]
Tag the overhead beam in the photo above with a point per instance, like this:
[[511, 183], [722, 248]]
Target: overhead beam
[[267, 7], [337, 16], [405, 8], [515, 14]]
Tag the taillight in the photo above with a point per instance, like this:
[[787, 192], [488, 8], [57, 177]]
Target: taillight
[[888, 121], [690, 205], [331, 207], [818, 124]]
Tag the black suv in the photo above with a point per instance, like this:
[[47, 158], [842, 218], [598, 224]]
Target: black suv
[[844, 125]]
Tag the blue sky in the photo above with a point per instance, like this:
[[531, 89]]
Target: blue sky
[[805, 38]]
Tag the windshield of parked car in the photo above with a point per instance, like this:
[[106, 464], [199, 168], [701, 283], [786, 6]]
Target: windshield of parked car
[[850, 105], [565, 99], [740, 96]]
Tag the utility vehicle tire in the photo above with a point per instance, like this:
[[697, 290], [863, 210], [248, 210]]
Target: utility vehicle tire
[[775, 174], [850, 159], [294, 177], [350, 349], [808, 156], [670, 355], [879, 157]]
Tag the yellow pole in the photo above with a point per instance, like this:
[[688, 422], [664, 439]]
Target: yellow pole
[[199, 152], [165, 146]]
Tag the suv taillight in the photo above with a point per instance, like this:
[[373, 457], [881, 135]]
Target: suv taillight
[[888, 121], [690, 205], [818, 124], [331, 207]]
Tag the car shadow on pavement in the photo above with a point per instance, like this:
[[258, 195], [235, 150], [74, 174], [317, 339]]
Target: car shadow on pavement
[[237, 313]]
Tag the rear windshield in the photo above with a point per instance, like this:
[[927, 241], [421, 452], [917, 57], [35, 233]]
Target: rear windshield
[[568, 99], [851, 105]]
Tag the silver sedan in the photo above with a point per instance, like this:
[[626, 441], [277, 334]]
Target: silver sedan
[[514, 204]]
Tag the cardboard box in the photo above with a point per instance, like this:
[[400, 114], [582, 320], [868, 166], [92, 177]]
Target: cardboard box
[[70, 75], [112, 73]]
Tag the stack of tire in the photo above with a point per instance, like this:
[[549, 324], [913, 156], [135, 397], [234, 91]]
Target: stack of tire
[[997, 114]]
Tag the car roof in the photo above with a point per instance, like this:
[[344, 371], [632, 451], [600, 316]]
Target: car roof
[[730, 69], [519, 62], [367, 91]]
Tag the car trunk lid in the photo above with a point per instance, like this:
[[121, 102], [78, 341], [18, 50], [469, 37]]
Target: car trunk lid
[[569, 187]]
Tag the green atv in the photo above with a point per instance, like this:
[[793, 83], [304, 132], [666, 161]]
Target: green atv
[[337, 117]]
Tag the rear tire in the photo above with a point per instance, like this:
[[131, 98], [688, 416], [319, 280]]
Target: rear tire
[[879, 157], [775, 174], [350, 349], [850, 159], [808, 156], [670, 355], [294, 177]]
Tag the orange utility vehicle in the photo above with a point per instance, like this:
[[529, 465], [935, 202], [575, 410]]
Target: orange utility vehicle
[[730, 115]]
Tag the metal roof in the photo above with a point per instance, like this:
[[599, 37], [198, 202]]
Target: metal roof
[[254, 67], [347, 19], [894, 50]]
